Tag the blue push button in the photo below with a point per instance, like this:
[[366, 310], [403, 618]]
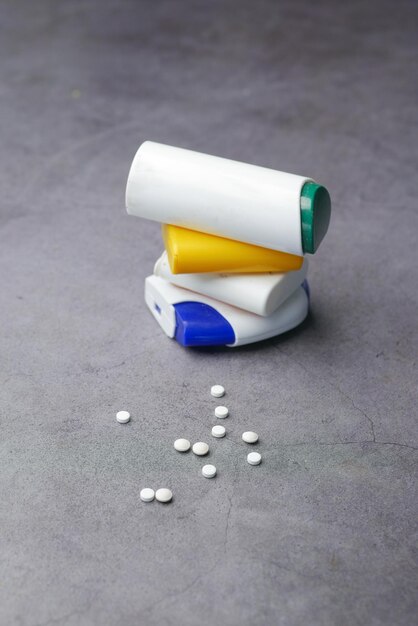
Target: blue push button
[[198, 324]]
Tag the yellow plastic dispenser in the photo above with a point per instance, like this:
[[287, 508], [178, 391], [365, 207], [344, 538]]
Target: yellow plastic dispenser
[[190, 251]]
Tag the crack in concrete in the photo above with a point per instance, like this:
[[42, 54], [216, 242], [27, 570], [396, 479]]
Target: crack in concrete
[[228, 517], [335, 386], [394, 443], [349, 443], [373, 440], [357, 408], [91, 369]]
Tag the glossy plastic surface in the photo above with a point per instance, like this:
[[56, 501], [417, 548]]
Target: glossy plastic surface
[[199, 324], [190, 251], [259, 293], [218, 196], [162, 298], [315, 206]]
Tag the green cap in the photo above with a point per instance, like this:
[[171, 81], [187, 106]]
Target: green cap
[[315, 213]]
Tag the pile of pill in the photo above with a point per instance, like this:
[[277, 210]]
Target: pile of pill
[[235, 235], [199, 448]]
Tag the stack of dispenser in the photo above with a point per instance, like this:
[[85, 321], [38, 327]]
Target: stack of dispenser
[[233, 271]]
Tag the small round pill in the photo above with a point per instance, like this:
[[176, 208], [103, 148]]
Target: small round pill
[[200, 448], [209, 471], [217, 391], [254, 458], [250, 437], [182, 445], [163, 495], [221, 412], [123, 417], [147, 494], [218, 431]]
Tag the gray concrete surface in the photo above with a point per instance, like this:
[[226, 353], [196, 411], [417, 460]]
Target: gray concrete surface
[[324, 531]]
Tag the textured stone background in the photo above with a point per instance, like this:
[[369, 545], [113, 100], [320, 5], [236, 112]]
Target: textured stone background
[[323, 532]]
